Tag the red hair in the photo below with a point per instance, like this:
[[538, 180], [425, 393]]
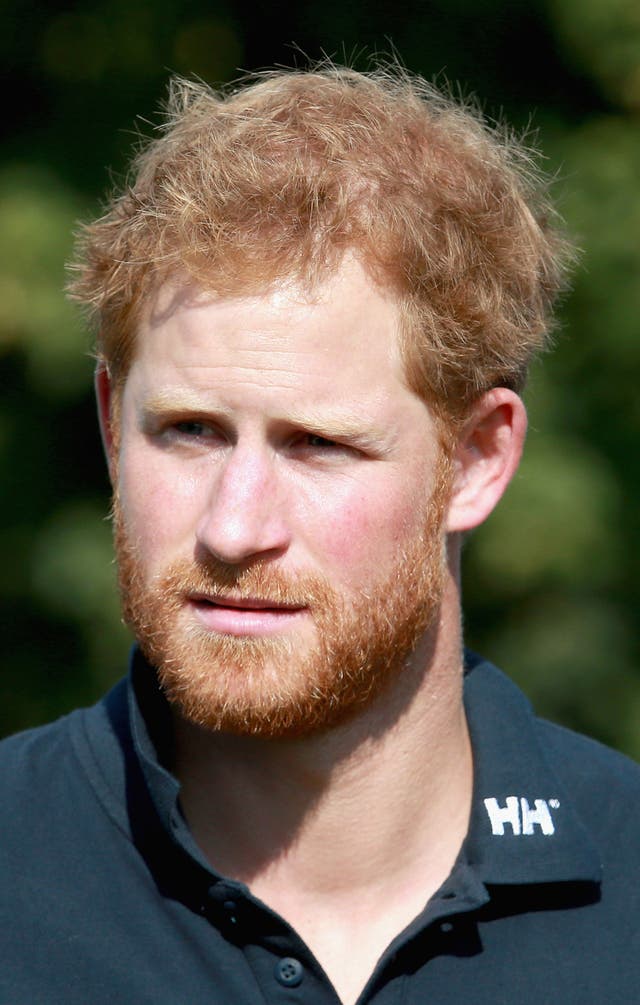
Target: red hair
[[282, 175]]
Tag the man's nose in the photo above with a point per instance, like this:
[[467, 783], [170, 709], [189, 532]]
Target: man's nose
[[245, 516]]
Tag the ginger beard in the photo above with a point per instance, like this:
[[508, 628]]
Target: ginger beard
[[266, 686]]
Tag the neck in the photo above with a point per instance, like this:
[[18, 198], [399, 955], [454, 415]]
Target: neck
[[349, 832], [330, 809]]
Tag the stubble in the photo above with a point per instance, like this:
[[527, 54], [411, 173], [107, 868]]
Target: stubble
[[284, 685]]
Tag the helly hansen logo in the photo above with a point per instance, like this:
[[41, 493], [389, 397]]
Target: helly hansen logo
[[520, 816]]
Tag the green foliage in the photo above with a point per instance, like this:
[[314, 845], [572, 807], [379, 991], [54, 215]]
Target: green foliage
[[37, 216], [552, 580], [602, 37], [558, 526]]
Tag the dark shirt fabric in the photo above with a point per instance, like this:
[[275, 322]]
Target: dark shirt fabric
[[106, 899]]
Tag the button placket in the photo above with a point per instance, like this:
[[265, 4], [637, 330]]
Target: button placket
[[289, 972]]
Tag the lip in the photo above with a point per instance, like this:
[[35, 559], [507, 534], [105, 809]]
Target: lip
[[251, 616]]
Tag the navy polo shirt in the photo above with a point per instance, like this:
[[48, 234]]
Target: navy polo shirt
[[107, 899]]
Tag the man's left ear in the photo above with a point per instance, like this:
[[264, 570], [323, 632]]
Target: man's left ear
[[486, 457]]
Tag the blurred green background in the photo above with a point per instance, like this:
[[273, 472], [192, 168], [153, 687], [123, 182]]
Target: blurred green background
[[552, 580]]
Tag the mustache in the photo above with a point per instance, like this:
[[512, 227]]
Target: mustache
[[208, 576], [259, 582]]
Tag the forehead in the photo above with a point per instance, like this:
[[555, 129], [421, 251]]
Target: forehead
[[344, 333]]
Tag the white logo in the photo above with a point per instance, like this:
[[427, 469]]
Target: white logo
[[520, 816]]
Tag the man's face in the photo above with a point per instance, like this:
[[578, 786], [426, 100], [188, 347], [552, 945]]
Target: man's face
[[279, 505]]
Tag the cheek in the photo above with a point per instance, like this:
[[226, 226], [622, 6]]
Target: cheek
[[356, 534], [159, 506]]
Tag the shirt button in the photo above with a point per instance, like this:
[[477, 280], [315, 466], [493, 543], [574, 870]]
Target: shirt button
[[289, 972]]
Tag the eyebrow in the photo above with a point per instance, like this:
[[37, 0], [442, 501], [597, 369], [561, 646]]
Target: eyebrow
[[333, 423]]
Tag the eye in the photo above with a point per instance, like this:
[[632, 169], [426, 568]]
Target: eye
[[320, 449], [322, 442], [192, 428]]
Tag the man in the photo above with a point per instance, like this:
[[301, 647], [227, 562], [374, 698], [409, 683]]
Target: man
[[316, 303]]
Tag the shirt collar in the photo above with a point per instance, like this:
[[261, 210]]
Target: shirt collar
[[152, 736], [523, 827]]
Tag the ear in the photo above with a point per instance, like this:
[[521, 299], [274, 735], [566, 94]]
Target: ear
[[105, 402], [486, 457]]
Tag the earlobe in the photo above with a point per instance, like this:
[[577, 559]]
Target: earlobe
[[104, 402], [486, 457]]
